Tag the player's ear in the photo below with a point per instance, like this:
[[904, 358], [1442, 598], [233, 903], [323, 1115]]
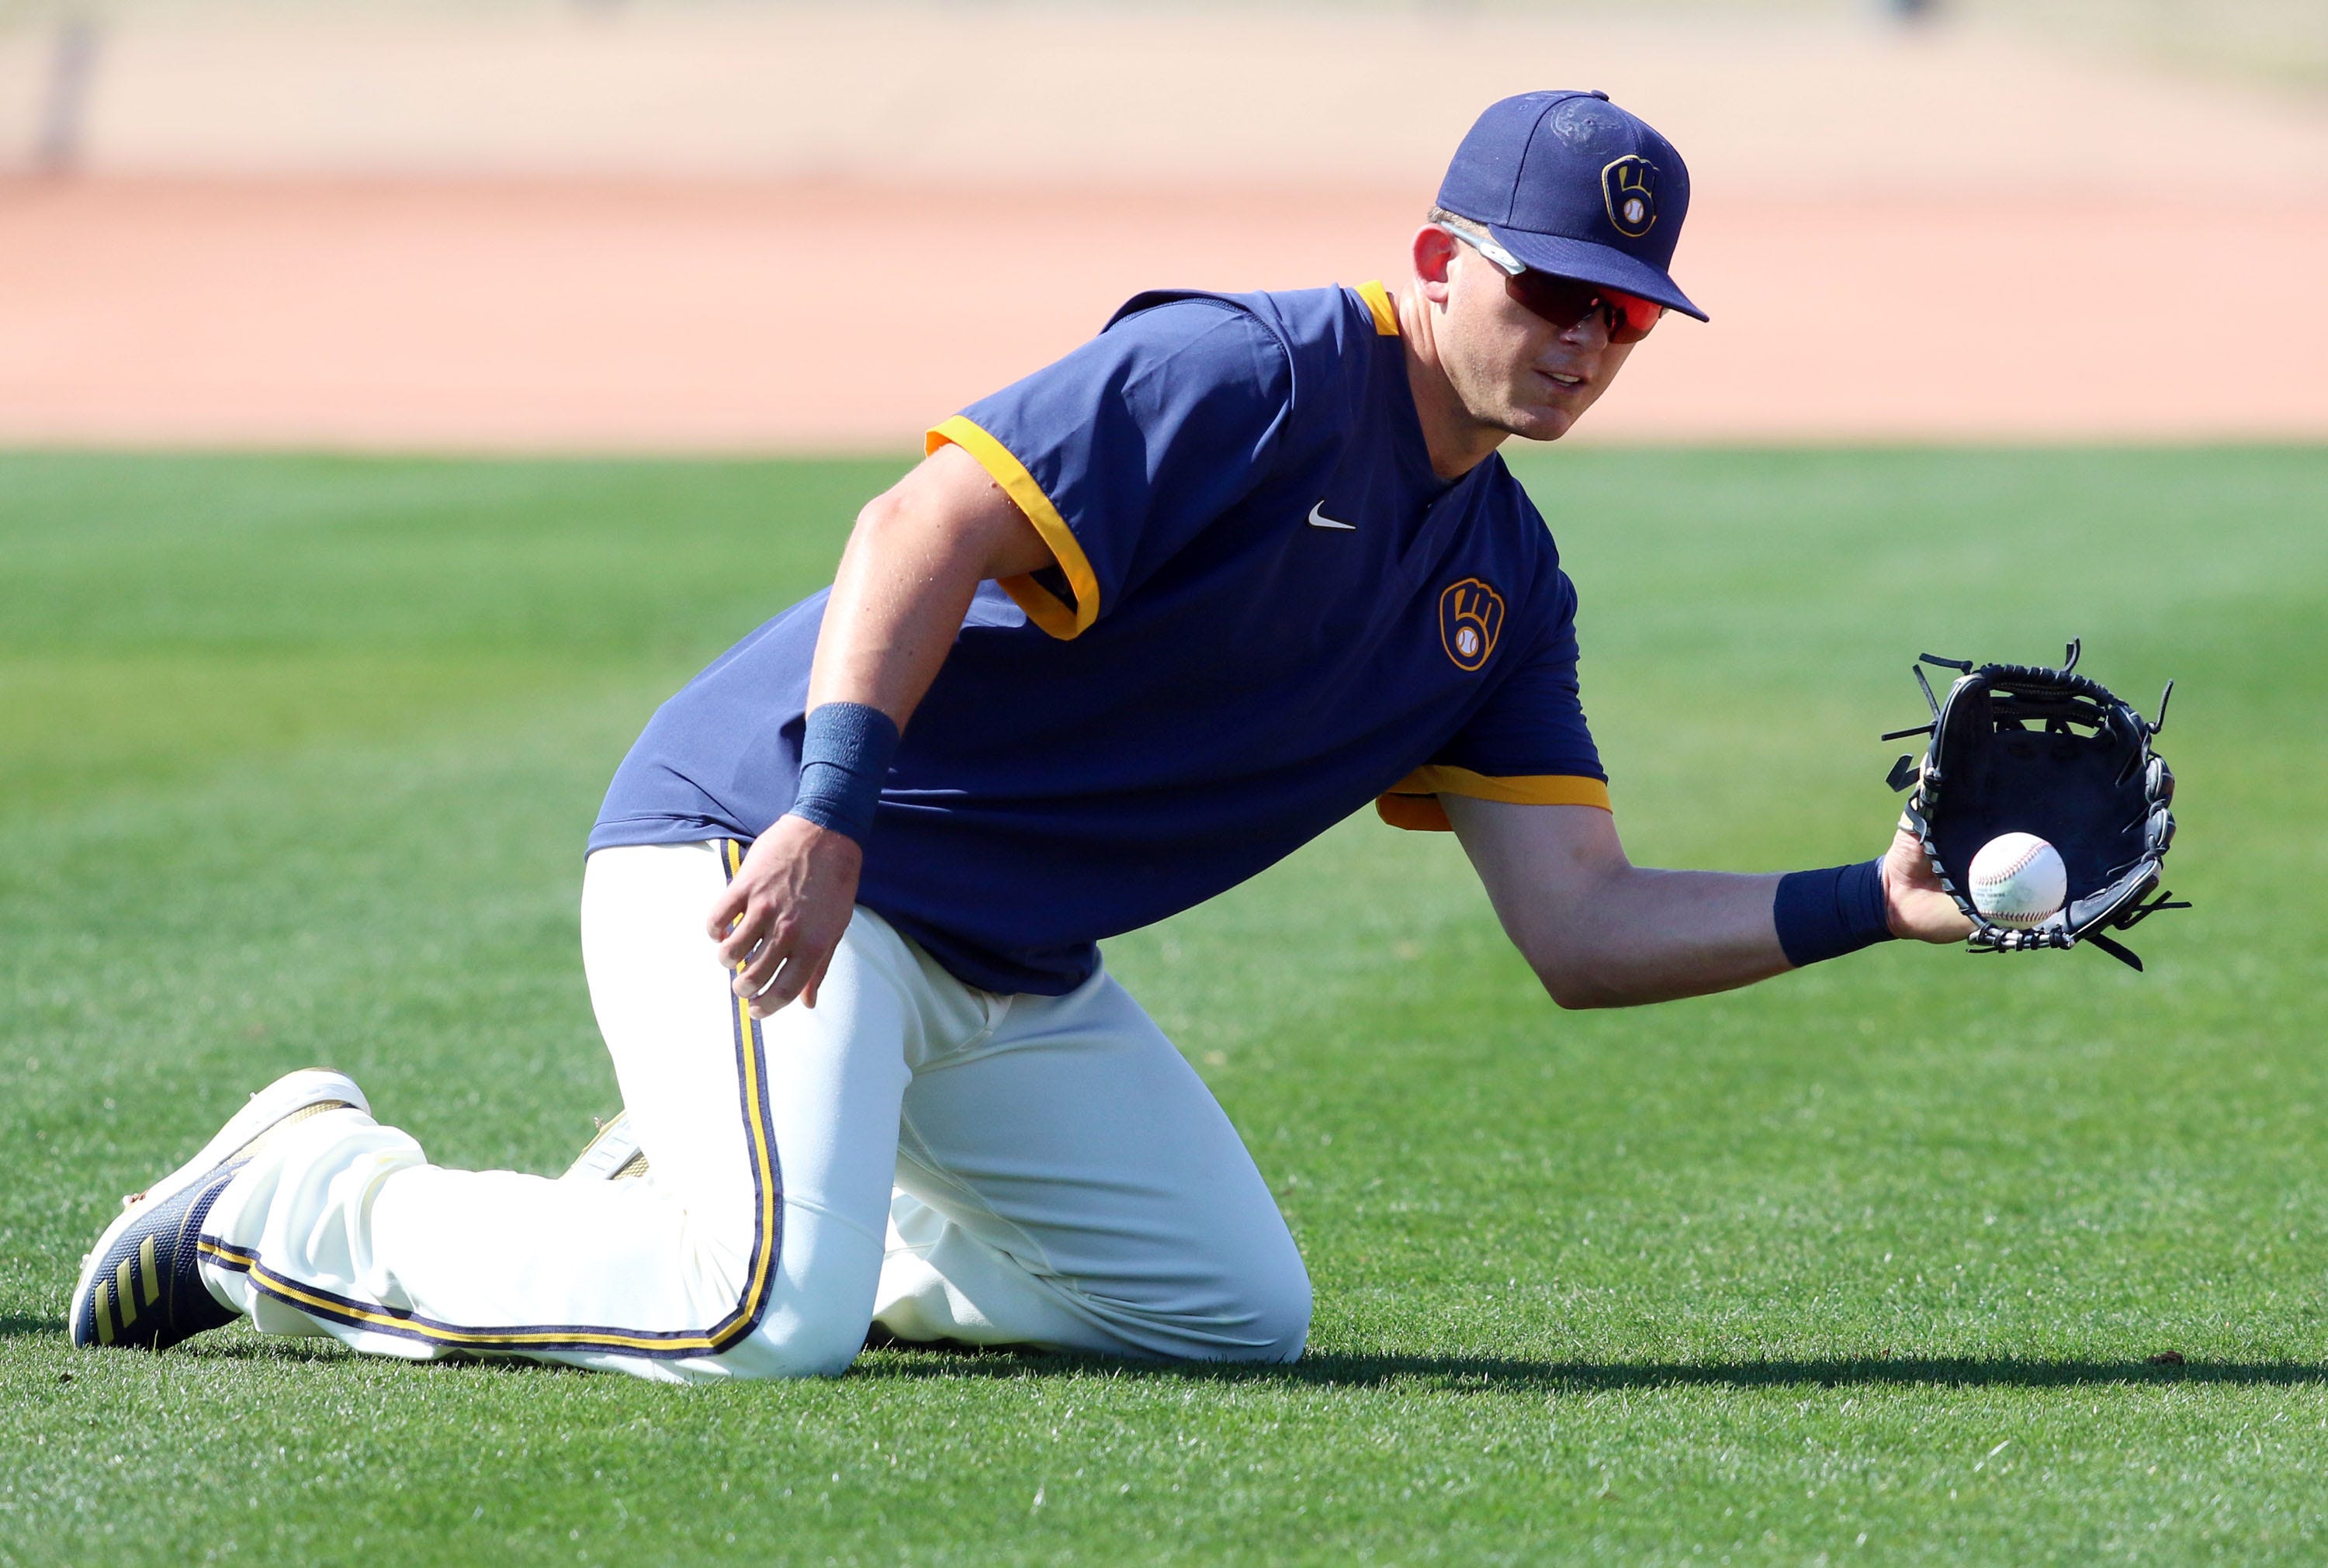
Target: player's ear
[[1434, 254]]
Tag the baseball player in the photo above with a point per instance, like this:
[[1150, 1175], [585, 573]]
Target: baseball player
[[1137, 628]]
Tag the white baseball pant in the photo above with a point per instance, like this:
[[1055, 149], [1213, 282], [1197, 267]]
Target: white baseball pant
[[949, 1162]]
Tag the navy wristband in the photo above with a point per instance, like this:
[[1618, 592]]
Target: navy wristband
[[845, 752], [1823, 915]]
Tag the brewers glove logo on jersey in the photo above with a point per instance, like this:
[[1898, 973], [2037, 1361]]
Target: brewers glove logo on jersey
[[1628, 187], [1471, 616]]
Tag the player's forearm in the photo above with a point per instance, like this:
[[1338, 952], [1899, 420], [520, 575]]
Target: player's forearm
[[1600, 931], [913, 563], [896, 603], [1657, 935]]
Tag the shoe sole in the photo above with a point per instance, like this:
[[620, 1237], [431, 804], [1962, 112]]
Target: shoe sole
[[612, 1155], [287, 1096]]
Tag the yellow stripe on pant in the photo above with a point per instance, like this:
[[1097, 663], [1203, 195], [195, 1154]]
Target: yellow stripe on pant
[[766, 1244]]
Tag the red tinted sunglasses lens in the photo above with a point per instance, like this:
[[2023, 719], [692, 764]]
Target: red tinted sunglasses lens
[[1564, 302], [1633, 316]]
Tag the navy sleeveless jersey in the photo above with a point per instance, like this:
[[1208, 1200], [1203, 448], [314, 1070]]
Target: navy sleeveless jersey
[[1266, 610]]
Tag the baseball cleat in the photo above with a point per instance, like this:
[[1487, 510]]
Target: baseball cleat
[[612, 1155], [140, 1284]]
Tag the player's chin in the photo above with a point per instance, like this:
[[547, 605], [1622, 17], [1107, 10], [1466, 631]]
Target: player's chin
[[1542, 422], [1548, 410]]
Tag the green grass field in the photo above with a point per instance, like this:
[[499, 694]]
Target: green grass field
[[297, 757]]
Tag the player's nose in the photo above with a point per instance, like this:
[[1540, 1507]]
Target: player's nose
[[1588, 334]]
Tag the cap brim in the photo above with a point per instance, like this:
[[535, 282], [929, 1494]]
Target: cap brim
[[1589, 263]]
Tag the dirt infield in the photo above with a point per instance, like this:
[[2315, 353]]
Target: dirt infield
[[393, 236], [565, 317]]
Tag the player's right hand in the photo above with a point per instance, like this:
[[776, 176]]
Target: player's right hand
[[1915, 904], [783, 912]]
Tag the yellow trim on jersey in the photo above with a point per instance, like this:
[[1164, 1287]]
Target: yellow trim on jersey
[[1415, 814], [1378, 301], [1045, 608], [1542, 789], [1412, 804]]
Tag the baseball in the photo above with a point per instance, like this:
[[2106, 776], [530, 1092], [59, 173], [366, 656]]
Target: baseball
[[2018, 879]]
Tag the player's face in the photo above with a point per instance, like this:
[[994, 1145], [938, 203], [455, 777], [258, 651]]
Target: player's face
[[1513, 369]]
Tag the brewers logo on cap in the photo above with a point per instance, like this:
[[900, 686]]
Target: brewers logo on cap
[[1470, 618], [1630, 188]]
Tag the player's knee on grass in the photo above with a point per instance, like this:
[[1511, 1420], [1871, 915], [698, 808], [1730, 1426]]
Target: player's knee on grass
[[826, 1350], [1251, 1307], [820, 1303], [807, 1339], [1284, 1317], [1282, 1323]]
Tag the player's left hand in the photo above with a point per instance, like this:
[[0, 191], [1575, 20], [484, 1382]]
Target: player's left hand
[[1913, 901], [784, 912]]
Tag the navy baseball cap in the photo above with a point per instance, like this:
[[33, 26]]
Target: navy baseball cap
[[1570, 183]]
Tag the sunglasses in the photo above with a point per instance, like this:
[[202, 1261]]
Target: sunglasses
[[1566, 302]]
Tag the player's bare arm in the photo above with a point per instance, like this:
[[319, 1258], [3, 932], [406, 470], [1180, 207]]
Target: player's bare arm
[[918, 554], [1600, 931]]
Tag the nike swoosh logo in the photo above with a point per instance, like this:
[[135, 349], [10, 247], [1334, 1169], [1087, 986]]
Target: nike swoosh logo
[[1317, 518]]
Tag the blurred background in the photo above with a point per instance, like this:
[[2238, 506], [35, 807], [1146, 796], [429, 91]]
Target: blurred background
[[298, 750], [655, 225]]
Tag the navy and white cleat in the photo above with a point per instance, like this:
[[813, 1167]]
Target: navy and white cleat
[[140, 1284], [615, 1154]]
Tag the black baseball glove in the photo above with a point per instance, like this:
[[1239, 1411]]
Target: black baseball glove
[[2017, 749]]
